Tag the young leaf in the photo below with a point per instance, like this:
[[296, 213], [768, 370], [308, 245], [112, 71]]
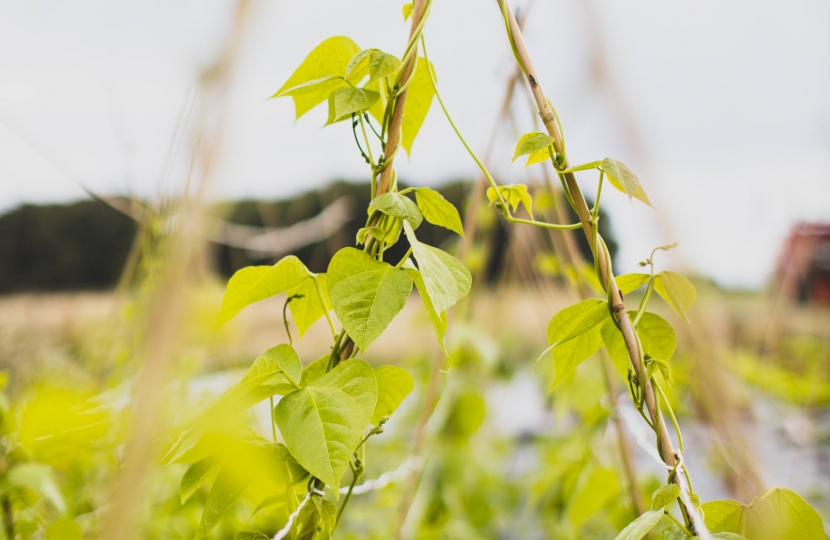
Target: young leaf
[[419, 96], [514, 194], [358, 66], [323, 423], [664, 496], [366, 294], [197, 474], [672, 533], [575, 335], [373, 62], [656, 335], [320, 74], [397, 205], [629, 283], [623, 179], [446, 280], [350, 100], [254, 283], [724, 516], [677, 291], [382, 65], [437, 320], [641, 526], [536, 145], [538, 157], [438, 210], [394, 384], [407, 10]]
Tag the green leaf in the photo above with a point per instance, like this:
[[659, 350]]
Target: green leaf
[[267, 370], [664, 496], [641, 526], [728, 536], [437, 320], [254, 283], [407, 11], [623, 179], [513, 194], [197, 474], [229, 485], [323, 423], [592, 496], [446, 280], [316, 520], [373, 62], [320, 74], [382, 65], [262, 380], [723, 516], [394, 384], [534, 144], [419, 96], [672, 533], [64, 528], [400, 206], [782, 514], [574, 333], [377, 232], [366, 294], [677, 291], [308, 309], [629, 283], [657, 337], [315, 370], [538, 157], [438, 210], [350, 100]]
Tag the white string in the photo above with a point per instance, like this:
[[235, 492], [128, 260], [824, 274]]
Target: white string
[[389, 477], [637, 428], [285, 530]]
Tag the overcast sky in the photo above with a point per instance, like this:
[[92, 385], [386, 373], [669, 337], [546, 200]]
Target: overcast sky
[[722, 108]]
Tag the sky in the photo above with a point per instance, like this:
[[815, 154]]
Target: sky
[[721, 108]]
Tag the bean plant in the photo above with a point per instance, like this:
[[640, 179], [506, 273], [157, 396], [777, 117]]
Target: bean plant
[[328, 410]]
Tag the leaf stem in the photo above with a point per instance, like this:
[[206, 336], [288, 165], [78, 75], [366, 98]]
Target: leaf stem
[[487, 175], [677, 522], [404, 258], [289, 379]]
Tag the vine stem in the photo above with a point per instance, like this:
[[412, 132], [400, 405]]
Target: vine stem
[[606, 276]]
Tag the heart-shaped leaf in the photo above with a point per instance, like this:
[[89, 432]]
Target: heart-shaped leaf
[[366, 294], [320, 74], [323, 422]]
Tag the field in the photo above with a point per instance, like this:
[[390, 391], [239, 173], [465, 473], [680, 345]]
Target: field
[[528, 455]]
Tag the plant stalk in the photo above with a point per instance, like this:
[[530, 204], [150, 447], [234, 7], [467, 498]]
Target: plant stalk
[[546, 113]]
